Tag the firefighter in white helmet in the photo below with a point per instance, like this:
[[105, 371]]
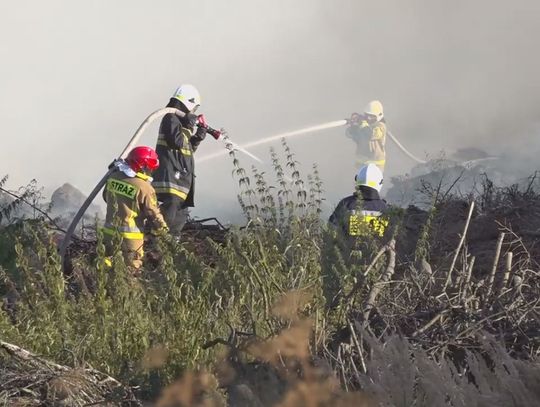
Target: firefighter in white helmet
[[361, 213], [368, 131], [178, 139]]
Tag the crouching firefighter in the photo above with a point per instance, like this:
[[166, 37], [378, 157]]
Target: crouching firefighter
[[368, 131], [362, 212], [178, 139], [132, 206]]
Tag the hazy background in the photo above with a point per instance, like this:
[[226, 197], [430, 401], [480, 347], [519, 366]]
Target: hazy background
[[78, 77]]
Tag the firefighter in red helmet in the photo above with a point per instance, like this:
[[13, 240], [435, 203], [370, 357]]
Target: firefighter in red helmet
[[132, 205]]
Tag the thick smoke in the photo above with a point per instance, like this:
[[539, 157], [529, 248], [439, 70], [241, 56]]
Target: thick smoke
[[77, 78]]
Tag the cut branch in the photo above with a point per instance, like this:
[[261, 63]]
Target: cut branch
[[458, 250]]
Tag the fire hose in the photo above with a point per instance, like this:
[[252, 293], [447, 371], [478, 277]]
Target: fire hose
[[407, 152], [218, 135], [304, 131], [132, 142]]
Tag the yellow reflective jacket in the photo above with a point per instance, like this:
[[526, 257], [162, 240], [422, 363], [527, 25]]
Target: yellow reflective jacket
[[361, 213], [370, 142], [130, 202]]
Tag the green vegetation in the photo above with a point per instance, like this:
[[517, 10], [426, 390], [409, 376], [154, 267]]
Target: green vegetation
[[290, 295]]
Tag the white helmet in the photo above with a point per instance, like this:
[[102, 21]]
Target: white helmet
[[375, 108], [370, 176], [189, 96]]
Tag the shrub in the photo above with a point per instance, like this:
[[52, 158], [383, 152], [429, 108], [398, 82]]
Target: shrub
[[380, 316]]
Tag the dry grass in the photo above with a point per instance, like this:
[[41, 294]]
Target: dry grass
[[285, 312]]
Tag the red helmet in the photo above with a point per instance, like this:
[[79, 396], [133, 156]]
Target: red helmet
[[143, 158]]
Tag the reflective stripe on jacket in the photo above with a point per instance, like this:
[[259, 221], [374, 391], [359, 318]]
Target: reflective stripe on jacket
[[359, 215], [187, 150], [171, 188], [370, 142], [175, 147], [360, 222]]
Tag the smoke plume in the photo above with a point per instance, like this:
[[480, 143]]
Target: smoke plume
[[77, 78]]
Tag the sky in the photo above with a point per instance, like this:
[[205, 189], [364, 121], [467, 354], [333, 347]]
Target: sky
[[78, 77]]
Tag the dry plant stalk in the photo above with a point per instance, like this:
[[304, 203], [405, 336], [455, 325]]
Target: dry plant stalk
[[507, 272], [358, 347], [360, 280], [458, 250], [50, 382], [377, 287], [491, 280], [289, 354], [29, 357], [467, 281], [438, 317]]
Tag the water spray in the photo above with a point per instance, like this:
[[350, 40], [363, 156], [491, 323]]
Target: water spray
[[295, 133], [217, 134], [232, 146], [222, 135], [305, 130]]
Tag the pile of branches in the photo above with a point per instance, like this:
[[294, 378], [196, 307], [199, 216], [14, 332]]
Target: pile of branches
[[197, 234], [26, 379], [448, 304]]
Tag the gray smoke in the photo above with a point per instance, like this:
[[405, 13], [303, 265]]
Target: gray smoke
[[77, 78]]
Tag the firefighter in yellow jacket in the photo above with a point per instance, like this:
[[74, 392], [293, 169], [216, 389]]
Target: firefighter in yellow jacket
[[132, 205], [368, 131], [363, 212]]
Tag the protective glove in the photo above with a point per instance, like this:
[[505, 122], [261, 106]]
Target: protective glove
[[355, 119], [202, 128], [189, 120], [200, 134]]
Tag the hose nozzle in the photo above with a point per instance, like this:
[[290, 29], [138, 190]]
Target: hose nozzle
[[201, 122], [355, 119]]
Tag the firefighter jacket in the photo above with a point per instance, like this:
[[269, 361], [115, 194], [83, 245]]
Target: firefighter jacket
[[370, 142], [358, 215], [131, 201], [175, 147]]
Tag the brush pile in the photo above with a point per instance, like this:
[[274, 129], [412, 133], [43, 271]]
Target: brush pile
[[479, 272], [28, 380], [442, 310]]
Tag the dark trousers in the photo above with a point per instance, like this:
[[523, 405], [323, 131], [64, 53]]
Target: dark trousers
[[175, 212]]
